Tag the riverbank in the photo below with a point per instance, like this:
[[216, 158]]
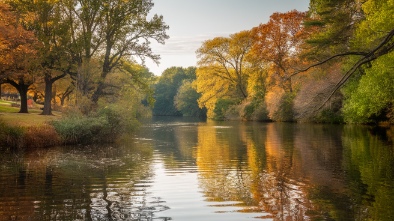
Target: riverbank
[[27, 130], [105, 125]]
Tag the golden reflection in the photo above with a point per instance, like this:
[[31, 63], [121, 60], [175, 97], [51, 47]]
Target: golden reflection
[[222, 175]]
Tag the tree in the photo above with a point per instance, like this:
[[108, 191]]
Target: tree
[[45, 19], [167, 87], [186, 98], [224, 58], [278, 44], [333, 23], [371, 38], [126, 32], [223, 69], [371, 98], [18, 54]]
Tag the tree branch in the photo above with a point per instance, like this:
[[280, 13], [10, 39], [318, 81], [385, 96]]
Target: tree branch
[[384, 47]]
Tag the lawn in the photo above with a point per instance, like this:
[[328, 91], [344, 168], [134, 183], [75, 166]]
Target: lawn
[[10, 115]]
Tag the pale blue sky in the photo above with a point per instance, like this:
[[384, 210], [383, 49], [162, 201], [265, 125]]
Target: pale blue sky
[[193, 21]]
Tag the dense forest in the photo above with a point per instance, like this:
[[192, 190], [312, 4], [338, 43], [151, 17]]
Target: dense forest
[[331, 64]]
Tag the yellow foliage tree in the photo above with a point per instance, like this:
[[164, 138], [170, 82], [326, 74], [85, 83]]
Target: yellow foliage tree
[[223, 69]]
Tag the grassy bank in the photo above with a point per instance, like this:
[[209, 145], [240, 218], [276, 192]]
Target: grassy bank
[[26, 130], [34, 130]]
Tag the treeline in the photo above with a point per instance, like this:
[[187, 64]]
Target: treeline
[[330, 64]]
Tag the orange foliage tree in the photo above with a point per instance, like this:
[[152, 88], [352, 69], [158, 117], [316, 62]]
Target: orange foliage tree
[[18, 54], [278, 43]]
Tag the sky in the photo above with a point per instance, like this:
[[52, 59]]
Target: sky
[[193, 21]]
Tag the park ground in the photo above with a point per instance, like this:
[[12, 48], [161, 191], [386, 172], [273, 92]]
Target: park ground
[[9, 115]]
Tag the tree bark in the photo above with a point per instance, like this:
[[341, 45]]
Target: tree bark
[[23, 93], [22, 88], [48, 96]]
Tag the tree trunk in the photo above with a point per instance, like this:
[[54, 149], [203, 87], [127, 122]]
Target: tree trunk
[[48, 96], [23, 93], [97, 93], [22, 88], [287, 85]]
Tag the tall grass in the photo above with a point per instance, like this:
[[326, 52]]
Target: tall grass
[[11, 136]]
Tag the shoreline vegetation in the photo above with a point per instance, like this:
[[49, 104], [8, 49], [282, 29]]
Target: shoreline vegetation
[[33, 130]]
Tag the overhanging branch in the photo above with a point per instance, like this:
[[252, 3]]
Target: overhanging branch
[[384, 47]]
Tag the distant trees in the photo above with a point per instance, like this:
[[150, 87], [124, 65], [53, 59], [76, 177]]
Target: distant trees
[[175, 94]]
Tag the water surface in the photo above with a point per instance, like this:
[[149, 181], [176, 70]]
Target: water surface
[[185, 169]]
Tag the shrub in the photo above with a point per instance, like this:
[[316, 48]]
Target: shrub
[[221, 106], [255, 110], [41, 136], [11, 136], [280, 105], [80, 129], [328, 116], [105, 125]]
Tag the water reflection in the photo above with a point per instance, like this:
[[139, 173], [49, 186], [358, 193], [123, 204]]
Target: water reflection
[[299, 171], [191, 170], [76, 183]]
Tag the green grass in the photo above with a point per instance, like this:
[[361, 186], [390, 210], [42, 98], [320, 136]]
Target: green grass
[[10, 115]]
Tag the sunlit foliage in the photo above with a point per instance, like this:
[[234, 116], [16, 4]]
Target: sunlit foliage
[[223, 69]]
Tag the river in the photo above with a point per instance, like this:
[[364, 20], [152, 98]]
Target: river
[[187, 170]]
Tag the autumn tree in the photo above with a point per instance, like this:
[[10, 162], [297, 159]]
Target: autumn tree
[[46, 20], [223, 69], [278, 43], [19, 47]]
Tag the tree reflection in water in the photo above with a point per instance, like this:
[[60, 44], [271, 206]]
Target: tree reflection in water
[[299, 171], [78, 183], [274, 171]]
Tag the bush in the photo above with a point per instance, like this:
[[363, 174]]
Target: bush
[[255, 110], [328, 116], [221, 106], [280, 106], [105, 125], [41, 136]]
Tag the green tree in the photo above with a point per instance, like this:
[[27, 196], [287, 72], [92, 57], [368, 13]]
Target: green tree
[[167, 87], [126, 32], [369, 35], [186, 100], [334, 23], [371, 98]]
